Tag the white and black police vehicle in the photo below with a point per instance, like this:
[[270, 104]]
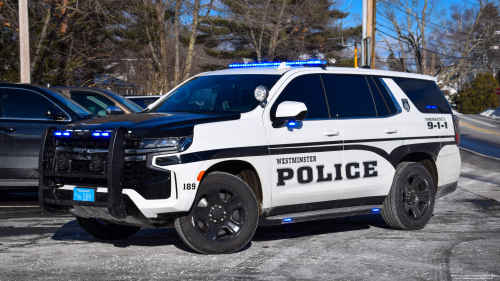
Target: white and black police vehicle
[[258, 145]]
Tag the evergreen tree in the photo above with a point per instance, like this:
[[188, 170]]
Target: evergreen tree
[[478, 95], [275, 30]]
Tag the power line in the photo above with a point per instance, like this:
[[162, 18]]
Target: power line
[[398, 8]]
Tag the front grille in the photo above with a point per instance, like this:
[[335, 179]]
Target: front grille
[[84, 162]]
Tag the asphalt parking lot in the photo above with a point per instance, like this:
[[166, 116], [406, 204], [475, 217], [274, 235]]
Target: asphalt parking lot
[[460, 243]]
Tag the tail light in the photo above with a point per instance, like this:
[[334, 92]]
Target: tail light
[[457, 129]]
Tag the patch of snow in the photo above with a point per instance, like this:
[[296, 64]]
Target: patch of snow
[[491, 113]]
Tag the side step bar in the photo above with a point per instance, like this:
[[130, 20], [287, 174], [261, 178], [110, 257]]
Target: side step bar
[[318, 215]]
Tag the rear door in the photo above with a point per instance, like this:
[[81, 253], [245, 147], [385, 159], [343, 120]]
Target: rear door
[[372, 132], [304, 158], [22, 122], [94, 103]]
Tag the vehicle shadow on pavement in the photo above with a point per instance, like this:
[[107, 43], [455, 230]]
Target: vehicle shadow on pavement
[[146, 237], [71, 231]]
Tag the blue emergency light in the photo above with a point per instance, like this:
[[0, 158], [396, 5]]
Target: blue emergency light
[[276, 64], [431, 106], [287, 220], [57, 133], [66, 134], [376, 210]]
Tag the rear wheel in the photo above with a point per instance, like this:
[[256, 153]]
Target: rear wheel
[[105, 230], [410, 202], [223, 218]]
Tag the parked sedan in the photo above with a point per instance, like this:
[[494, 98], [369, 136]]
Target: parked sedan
[[25, 112], [143, 101], [99, 101]]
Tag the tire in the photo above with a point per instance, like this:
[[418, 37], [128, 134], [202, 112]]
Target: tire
[[223, 218], [106, 231], [410, 202]]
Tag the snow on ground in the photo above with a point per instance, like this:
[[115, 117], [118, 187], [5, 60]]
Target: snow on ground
[[491, 113]]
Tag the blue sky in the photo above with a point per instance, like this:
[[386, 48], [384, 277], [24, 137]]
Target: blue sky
[[355, 6]]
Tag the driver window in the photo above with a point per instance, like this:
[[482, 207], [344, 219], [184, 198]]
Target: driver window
[[23, 104], [308, 90]]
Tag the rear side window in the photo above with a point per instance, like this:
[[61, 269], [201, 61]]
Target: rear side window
[[308, 90], [385, 94], [352, 96], [380, 103], [425, 95]]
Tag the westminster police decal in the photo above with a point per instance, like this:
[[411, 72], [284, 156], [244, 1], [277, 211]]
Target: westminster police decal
[[304, 174], [406, 105]]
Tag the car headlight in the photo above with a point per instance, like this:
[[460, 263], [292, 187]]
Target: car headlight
[[177, 144]]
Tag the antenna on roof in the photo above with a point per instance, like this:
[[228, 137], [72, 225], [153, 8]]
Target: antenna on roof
[[283, 66]]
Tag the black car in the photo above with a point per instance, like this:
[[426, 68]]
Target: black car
[[25, 112], [143, 101], [99, 101]]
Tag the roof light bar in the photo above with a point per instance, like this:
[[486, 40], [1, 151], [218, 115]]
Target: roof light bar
[[276, 64]]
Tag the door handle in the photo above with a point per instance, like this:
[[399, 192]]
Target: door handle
[[331, 133], [390, 131], [9, 129]]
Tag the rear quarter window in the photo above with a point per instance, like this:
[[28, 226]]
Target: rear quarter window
[[425, 95]]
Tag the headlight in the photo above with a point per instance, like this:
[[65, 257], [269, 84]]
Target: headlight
[[178, 144]]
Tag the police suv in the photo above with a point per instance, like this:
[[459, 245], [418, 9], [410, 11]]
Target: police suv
[[258, 145]]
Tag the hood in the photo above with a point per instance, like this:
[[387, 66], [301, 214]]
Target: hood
[[152, 125]]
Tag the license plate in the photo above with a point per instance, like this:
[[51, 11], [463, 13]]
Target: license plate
[[83, 194]]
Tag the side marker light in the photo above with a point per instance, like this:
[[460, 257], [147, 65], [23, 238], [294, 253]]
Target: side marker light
[[200, 175]]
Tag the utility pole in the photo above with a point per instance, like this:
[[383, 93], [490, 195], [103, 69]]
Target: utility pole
[[363, 39], [24, 41], [374, 28]]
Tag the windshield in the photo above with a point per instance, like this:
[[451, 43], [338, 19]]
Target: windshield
[[75, 107], [129, 104], [217, 94]]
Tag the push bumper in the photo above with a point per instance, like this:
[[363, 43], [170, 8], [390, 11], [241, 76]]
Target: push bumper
[[115, 176]]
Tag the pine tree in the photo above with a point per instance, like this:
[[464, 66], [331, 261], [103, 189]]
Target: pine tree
[[478, 95]]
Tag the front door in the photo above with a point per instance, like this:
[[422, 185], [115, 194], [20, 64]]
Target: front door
[[373, 131], [305, 158], [22, 122]]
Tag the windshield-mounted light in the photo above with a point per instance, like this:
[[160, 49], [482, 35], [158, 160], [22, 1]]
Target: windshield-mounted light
[[178, 143]]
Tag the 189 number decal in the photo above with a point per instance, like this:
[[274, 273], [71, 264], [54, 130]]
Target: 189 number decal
[[189, 186]]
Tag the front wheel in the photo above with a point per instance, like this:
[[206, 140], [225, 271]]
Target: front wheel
[[105, 230], [410, 202], [223, 218]]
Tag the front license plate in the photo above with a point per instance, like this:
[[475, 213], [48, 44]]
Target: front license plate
[[83, 194]]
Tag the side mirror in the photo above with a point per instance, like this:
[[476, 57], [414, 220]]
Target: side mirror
[[54, 113], [289, 111], [114, 110]]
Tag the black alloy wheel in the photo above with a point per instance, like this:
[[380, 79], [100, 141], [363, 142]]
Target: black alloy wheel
[[223, 218], [415, 197], [410, 202], [219, 213]]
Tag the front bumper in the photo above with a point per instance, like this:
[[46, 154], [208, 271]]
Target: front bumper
[[121, 181]]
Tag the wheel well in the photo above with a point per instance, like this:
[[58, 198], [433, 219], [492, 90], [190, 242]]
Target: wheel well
[[243, 170], [425, 160]]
